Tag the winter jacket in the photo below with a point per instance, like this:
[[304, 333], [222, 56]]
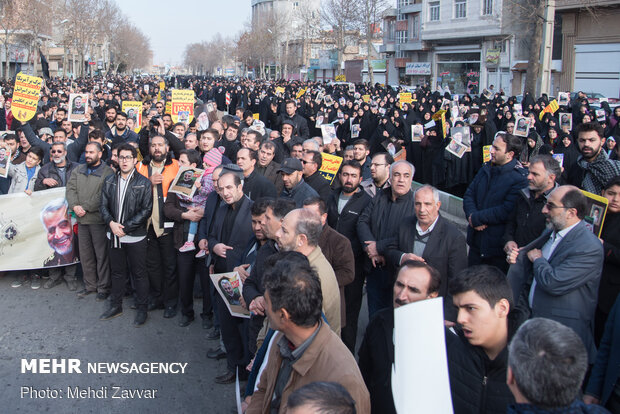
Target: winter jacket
[[489, 200], [19, 178], [50, 170], [299, 193], [345, 223], [84, 190], [527, 221]]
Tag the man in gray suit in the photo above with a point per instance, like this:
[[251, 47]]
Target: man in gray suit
[[557, 275]]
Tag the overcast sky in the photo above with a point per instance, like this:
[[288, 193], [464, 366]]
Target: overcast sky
[[171, 25]]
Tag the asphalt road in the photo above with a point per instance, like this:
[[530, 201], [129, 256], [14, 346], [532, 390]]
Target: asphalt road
[[55, 324]]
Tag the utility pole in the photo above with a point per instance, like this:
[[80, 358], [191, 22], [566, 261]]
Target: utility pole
[[547, 46]]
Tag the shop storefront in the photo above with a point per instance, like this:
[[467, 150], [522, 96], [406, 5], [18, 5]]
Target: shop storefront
[[460, 72]]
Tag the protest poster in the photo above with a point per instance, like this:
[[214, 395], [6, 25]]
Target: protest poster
[[560, 159], [182, 106], [462, 135], [355, 130], [351, 88], [329, 133], [185, 181], [417, 132], [5, 161], [563, 98], [78, 104], [300, 93], [522, 127], [456, 148], [279, 90], [320, 118], [404, 97], [329, 101], [486, 153], [256, 116], [26, 96], [600, 115], [366, 98], [420, 367], [36, 231], [566, 121], [230, 288], [330, 166], [168, 109], [133, 109], [595, 212]]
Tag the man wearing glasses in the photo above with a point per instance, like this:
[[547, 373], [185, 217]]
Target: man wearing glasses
[[557, 275], [126, 205]]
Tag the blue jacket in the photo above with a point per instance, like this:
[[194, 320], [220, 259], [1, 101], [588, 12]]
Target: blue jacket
[[489, 200], [606, 369]]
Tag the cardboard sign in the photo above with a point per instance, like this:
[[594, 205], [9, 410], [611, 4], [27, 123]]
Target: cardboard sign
[[405, 97], [279, 90], [522, 127], [230, 288], [133, 109], [486, 153], [366, 98], [330, 166], [26, 96], [168, 109], [300, 93], [5, 161], [256, 116], [78, 105], [182, 107], [185, 181], [596, 211]]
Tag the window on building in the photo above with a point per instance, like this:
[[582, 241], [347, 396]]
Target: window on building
[[460, 9], [500, 44], [487, 7], [402, 37], [295, 5], [414, 26], [402, 3], [401, 16], [433, 11]]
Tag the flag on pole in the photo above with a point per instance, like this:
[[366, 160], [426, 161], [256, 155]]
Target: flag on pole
[[551, 108]]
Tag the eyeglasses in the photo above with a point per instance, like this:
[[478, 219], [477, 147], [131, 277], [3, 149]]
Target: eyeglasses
[[128, 158], [551, 206]]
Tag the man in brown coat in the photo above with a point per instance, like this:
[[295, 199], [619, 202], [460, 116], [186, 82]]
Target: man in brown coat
[[305, 350], [337, 250]]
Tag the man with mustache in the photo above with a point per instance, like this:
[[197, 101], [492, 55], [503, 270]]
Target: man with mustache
[[160, 169], [415, 281], [593, 168]]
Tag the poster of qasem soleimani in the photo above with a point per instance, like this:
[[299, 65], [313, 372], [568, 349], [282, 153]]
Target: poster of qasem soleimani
[[36, 231], [230, 288]]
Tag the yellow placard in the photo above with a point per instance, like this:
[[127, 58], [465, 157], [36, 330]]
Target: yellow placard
[[486, 153], [366, 98], [26, 96], [182, 109], [405, 97], [255, 116], [279, 89], [168, 109], [162, 87], [341, 78], [330, 166], [300, 93], [133, 109], [437, 115]]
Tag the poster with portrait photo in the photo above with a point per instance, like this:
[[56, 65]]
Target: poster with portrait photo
[[329, 133], [355, 130], [230, 288], [320, 118], [600, 115], [392, 146], [563, 98], [566, 120], [462, 135], [595, 212], [78, 105], [456, 148], [517, 110], [328, 100], [5, 161], [522, 126], [185, 181], [417, 132]]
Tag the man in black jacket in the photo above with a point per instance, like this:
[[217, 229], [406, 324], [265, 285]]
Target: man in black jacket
[[228, 239], [430, 238], [378, 229], [295, 187], [126, 204], [527, 221], [255, 185], [477, 350], [266, 165], [312, 162], [415, 281], [298, 121], [343, 211]]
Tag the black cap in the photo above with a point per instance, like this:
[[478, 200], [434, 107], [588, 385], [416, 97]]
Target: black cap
[[290, 165]]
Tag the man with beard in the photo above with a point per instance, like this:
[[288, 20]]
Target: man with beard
[[343, 211], [255, 185], [120, 132], [379, 174], [295, 187], [84, 198], [564, 265], [415, 281], [57, 223], [160, 169], [361, 149], [110, 118], [593, 168]]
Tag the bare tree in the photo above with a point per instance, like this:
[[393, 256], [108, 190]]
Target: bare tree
[[369, 15], [341, 17]]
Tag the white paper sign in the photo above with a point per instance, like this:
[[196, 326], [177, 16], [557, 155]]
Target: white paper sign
[[420, 381]]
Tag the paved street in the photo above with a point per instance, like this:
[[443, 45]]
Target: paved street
[[55, 324]]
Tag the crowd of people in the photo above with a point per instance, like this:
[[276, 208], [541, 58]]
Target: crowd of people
[[529, 292]]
